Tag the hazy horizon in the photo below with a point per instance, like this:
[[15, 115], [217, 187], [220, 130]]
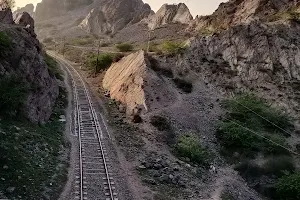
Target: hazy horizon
[[197, 7]]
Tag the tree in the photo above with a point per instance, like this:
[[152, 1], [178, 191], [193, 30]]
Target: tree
[[7, 4]]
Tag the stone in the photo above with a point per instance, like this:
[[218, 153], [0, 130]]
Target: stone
[[10, 189]]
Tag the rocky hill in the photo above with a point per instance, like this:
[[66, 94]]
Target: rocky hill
[[22, 59], [235, 12], [168, 14], [111, 16], [29, 8]]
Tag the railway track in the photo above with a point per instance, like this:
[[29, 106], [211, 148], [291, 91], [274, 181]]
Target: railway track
[[93, 179]]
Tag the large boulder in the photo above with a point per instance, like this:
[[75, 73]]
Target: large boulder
[[6, 16], [170, 14], [132, 82], [24, 19]]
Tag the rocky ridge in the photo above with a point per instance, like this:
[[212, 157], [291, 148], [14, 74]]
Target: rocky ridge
[[111, 16], [29, 8], [24, 60], [235, 12], [168, 14]]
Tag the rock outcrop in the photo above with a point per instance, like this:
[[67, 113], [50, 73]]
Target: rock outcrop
[[6, 16], [24, 19], [236, 12], [23, 59], [170, 14], [264, 57], [29, 8], [132, 82], [111, 16]]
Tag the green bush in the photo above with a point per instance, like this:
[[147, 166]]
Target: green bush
[[5, 44], [82, 41], [278, 166], [53, 68], [288, 187], [124, 47], [172, 48], [235, 136], [188, 146], [13, 94], [104, 61]]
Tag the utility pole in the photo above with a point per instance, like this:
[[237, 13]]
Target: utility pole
[[98, 53], [148, 48], [64, 44]]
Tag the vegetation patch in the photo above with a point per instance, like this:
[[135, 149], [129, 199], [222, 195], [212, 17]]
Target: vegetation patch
[[124, 47], [188, 147], [99, 63], [81, 41], [242, 129], [292, 14], [288, 187], [13, 94], [5, 44], [172, 48], [185, 86], [53, 67], [33, 159]]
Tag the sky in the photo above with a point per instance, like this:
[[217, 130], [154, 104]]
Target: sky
[[197, 7]]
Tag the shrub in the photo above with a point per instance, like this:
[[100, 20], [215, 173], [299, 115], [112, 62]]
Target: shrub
[[53, 68], [13, 95], [5, 44], [161, 123], [188, 146], [104, 61], [227, 196], [288, 187], [234, 132], [278, 166], [172, 48], [82, 41], [183, 85], [124, 47]]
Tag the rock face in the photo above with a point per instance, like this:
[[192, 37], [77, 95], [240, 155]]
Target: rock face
[[6, 16], [132, 82], [29, 8], [235, 12], [25, 61], [170, 14], [264, 57], [113, 15], [24, 19]]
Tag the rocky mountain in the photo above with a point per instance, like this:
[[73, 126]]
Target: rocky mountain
[[235, 12], [110, 16], [48, 9], [21, 57], [168, 14], [29, 8]]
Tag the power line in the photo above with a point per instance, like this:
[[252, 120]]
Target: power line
[[271, 141]]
